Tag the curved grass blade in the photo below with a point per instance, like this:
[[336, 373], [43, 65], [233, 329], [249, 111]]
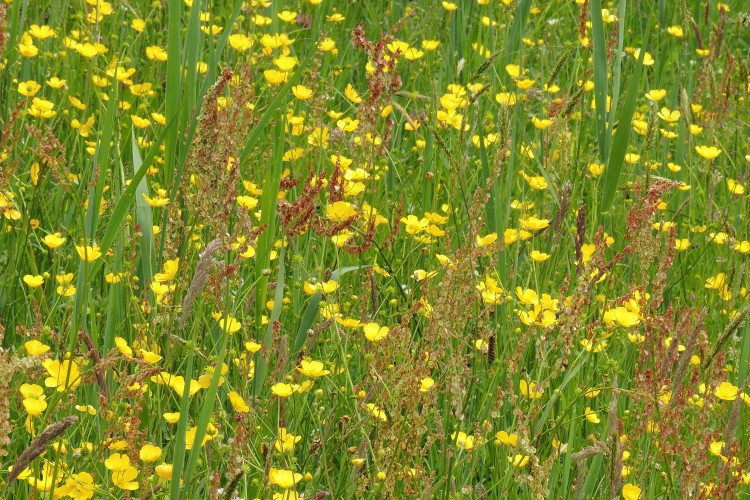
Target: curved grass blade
[[622, 136], [144, 218], [311, 312]]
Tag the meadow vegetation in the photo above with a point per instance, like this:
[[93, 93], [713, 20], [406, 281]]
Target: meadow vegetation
[[283, 249]]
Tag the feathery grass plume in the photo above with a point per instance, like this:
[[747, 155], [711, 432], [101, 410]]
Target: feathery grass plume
[[565, 195], [233, 485], [6, 375], [730, 434], [3, 28], [200, 278], [483, 67], [39, 445], [580, 458], [573, 101], [580, 236], [558, 67], [730, 330]]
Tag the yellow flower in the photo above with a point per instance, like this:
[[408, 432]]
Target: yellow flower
[[675, 31], [170, 271], [518, 460], [318, 287], [426, 384], [33, 281], [35, 348], [647, 59], [541, 124], [230, 324], [591, 416], [681, 244], [312, 369], [534, 224], [138, 24], [156, 201], [539, 256], [88, 253], [156, 53], [375, 332], [123, 479], [463, 441], [172, 418], [631, 492], [708, 152], [530, 390], [421, 274], [149, 453], [483, 241], [238, 403], [505, 438], [735, 187], [164, 471], [726, 391], [286, 441], [340, 211], [282, 390], [284, 478], [301, 92], [41, 32], [117, 462], [377, 412], [620, 315], [64, 376], [655, 95], [123, 347], [28, 88]]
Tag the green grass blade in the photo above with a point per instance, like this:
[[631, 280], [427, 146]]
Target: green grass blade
[[312, 309], [261, 366], [601, 85], [144, 219], [622, 136]]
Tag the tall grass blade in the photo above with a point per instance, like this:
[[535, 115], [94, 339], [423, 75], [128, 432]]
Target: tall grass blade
[[622, 135], [601, 86]]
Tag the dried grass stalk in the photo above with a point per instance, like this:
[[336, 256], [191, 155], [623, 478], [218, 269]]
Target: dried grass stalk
[[40, 445]]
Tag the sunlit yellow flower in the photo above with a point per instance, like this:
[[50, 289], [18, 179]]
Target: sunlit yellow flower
[[312, 369], [328, 287], [64, 376], [708, 152], [33, 281], [631, 492], [149, 453], [463, 441], [530, 390], [88, 253], [375, 332], [238, 403], [591, 416], [507, 439], [727, 391], [286, 479]]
